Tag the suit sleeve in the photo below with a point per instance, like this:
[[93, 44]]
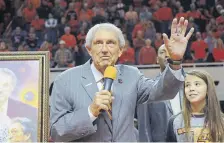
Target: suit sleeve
[[170, 135], [67, 123], [164, 87]]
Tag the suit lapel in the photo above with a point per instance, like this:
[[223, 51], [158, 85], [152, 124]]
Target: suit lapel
[[117, 93], [89, 84], [88, 81], [169, 107]]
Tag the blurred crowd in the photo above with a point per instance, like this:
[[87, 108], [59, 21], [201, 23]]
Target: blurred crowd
[[60, 26]]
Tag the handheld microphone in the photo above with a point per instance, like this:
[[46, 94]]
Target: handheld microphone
[[109, 76]]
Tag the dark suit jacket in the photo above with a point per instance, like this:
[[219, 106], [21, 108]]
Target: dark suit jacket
[[153, 120]]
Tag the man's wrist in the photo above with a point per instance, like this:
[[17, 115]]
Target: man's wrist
[[175, 67], [174, 62]]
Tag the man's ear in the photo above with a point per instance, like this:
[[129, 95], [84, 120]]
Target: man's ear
[[89, 50], [157, 60], [121, 51]]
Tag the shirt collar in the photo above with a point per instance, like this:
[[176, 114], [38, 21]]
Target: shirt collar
[[96, 73]]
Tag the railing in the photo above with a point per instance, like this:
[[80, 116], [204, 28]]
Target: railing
[[192, 65]]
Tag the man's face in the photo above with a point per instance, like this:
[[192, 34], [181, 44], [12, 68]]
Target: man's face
[[16, 133], [105, 49], [6, 87], [162, 56]]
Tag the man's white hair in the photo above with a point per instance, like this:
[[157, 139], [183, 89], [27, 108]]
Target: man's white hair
[[108, 26], [11, 74]]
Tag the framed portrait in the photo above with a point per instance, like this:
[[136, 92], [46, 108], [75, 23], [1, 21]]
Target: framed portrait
[[24, 93]]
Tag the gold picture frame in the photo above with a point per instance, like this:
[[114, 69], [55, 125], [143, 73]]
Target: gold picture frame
[[25, 96]]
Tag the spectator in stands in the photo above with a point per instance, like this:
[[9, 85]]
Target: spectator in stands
[[181, 13], [164, 15], [18, 37], [61, 26], [36, 3], [120, 8], [81, 37], [149, 31], [71, 11], [51, 29], [69, 39], [138, 27], [128, 55], [63, 56], [145, 14], [131, 14], [85, 14], [3, 47], [199, 49], [58, 10], [29, 14], [38, 25], [31, 41], [44, 9], [99, 18], [74, 25], [158, 41], [218, 51], [138, 43], [147, 54]]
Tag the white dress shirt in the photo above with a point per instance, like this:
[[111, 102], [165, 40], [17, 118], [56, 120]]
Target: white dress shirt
[[98, 78], [99, 81], [175, 104]]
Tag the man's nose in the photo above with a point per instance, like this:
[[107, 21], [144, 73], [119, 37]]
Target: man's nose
[[104, 48]]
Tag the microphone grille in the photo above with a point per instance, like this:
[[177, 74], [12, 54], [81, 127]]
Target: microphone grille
[[110, 72]]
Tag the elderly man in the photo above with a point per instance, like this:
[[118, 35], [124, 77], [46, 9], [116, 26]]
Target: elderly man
[[78, 99]]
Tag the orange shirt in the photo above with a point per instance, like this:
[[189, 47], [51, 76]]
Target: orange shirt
[[127, 56], [147, 56], [84, 15], [29, 14], [35, 3], [195, 14], [158, 43], [218, 54], [199, 48], [38, 24], [138, 27], [69, 39], [181, 14], [164, 13]]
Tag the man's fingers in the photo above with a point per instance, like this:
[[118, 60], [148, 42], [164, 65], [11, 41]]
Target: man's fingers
[[184, 27], [174, 26], [190, 33], [104, 107], [165, 39]]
